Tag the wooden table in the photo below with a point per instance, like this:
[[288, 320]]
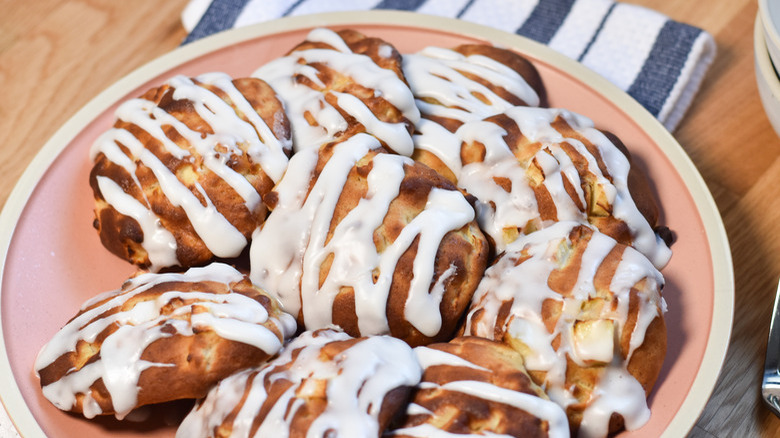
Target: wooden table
[[55, 56]]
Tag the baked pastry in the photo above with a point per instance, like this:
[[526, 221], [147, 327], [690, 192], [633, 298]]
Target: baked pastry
[[323, 384], [471, 82], [179, 178], [586, 313], [530, 167], [161, 337], [476, 387], [369, 241], [468, 82], [336, 84], [410, 175]]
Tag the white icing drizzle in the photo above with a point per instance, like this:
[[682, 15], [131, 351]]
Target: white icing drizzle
[[358, 379], [487, 133], [301, 100], [436, 139], [543, 409], [385, 51], [438, 73], [500, 210], [232, 316], [159, 243], [616, 388], [288, 251], [278, 248], [419, 304], [289, 248], [415, 409], [329, 37], [525, 285], [230, 132], [431, 357]]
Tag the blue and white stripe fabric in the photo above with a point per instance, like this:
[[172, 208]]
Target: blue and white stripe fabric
[[658, 61]]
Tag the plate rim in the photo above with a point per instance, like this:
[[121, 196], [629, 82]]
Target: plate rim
[[720, 254]]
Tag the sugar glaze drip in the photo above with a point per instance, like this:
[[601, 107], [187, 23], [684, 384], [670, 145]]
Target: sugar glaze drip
[[357, 381], [326, 122], [440, 74], [287, 253], [231, 135], [231, 315], [556, 158], [537, 406], [520, 279]]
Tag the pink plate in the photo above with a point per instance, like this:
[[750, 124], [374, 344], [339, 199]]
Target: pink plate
[[53, 260]]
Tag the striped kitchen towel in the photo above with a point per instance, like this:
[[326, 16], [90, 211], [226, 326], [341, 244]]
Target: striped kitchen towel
[[658, 61]]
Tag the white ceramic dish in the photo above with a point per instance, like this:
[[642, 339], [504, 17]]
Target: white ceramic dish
[[769, 11], [49, 251], [766, 75]]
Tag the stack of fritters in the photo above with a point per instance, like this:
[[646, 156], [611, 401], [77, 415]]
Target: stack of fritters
[[418, 247]]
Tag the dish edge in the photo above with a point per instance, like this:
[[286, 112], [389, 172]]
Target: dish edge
[[723, 304]]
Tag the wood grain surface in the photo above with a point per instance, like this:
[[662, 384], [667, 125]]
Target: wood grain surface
[[55, 56]]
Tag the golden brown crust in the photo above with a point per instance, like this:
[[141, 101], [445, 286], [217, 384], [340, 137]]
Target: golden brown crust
[[202, 359], [338, 82], [431, 160], [123, 236], [457, 412], [598, 210], [362, 45], [508, 58], [639, 184], [317, 386], [184, 363], [596, 317], [647, 360], [466, 249], [316, 402], [513, 60]]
